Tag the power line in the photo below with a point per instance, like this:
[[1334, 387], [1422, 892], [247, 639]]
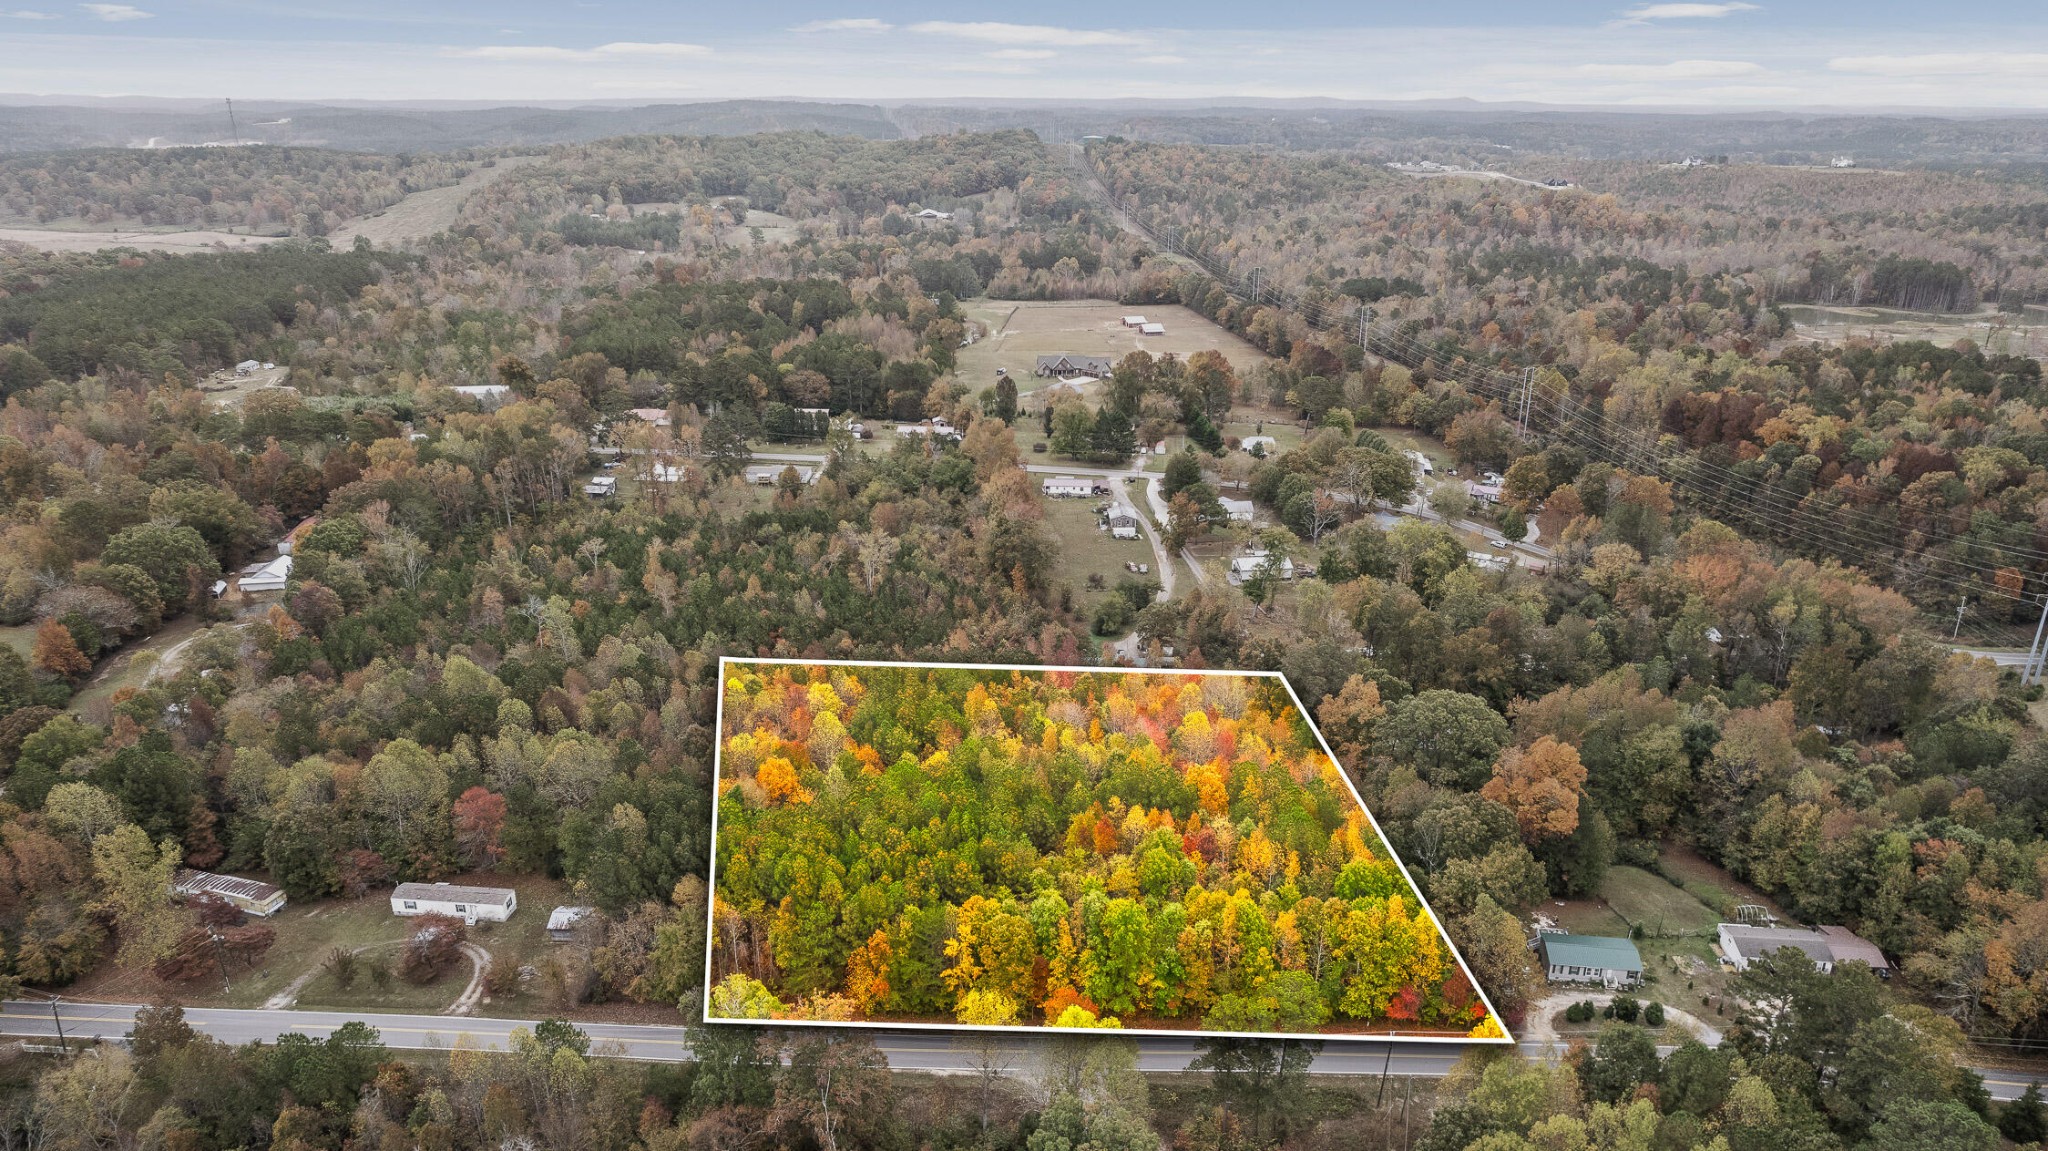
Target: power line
[[1797, 521]]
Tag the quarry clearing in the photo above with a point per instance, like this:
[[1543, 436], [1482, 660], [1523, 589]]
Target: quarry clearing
[[1021, 331]]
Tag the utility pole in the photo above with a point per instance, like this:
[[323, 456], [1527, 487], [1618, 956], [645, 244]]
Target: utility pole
[[2032, 670], [58, 1019], [1365, 327], [1385, 1069], [1962, 606], [234, 133]]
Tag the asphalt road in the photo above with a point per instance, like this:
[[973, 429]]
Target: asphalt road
[[906, 1051]]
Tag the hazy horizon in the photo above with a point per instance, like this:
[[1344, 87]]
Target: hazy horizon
[[1709, 56]]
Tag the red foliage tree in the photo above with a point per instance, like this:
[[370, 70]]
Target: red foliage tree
[[479, 816]]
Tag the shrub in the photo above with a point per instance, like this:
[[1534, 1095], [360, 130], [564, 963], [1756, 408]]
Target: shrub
[[434, 946], [1625, 1009], [343, 965], [501, 978], [1653, 1014]]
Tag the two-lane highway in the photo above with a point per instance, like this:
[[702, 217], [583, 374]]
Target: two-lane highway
[[929, 1051]]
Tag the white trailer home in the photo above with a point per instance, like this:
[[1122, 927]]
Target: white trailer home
[[468, 904]]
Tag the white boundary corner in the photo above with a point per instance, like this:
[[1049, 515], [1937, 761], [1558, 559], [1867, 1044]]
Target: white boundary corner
[[711, 901]]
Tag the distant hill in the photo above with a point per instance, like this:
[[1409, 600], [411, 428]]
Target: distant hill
[[394, 128]]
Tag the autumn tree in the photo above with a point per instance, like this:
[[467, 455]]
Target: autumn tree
[[1542, 784]]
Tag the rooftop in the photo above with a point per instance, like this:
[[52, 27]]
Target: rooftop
[[1601, 951], [454, 893], [1758, 941]]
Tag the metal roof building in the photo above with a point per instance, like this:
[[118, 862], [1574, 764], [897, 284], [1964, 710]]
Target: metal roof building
[[1590, 959]]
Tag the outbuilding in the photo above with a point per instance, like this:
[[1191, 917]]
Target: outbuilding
[[1152, 329], [252, 896], [562, 922], [1239, 511], [1602, 959], [468, 904]]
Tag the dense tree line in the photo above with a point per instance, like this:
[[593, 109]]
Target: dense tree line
[[1078, 851]]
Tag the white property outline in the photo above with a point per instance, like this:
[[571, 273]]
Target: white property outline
[[1506, 1039]]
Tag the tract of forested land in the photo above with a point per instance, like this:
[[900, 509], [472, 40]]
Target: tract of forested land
[[1021, 847]]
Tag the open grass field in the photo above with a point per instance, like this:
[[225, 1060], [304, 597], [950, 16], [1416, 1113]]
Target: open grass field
[[1088, 551], [2022, 335], [60, 240], [1022, 331], [1648, 901], [21, 637], [308, 933], [423, 213]]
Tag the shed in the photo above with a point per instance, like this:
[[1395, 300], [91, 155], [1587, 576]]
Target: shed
[[252, 896], [562, 922], [1243, 568], [1152, 329], [1239, 511], [1134, 321], [1266, 444], [601, 486], [468, 904], [1602, 959]]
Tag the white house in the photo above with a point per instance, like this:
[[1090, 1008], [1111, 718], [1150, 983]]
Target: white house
[[1422, 464], [1266, 444], [656, 416], [1123, 526], [468, 904], [1601, 959], [666, 473], [246, 367], [601, 486], [252, 896], [270, 576], [1743, 944], [934, 214], [1239, 511], [1243, 568], [1070, 487]]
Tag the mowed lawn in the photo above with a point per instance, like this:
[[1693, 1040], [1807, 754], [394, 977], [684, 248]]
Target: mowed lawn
[[1086, 550], [1020, 332], [1650, 902]]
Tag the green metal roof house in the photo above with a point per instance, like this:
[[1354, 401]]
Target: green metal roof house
[[1590, 959]]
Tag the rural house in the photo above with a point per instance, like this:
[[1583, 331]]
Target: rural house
[[1743, 944], [1123, 526], [1071, 487], [1601, 959], [1068, 364], [468, 904], [254, 897], [266, 577]]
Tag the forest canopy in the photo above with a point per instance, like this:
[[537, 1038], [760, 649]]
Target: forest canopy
[[1019, 846]]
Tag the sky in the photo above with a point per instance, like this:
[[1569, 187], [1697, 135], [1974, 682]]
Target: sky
[[1724, 53]]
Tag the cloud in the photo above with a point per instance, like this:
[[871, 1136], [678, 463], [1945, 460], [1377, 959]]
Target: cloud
[[1675, 70], [991, 32], [1022, 54], [847, 24], [623, 50], [1646, 13], [2032, 64], [27, 15], [115, 13], [1160, 60]]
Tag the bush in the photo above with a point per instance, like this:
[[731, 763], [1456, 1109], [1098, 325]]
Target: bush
[[1580, 1012], [342, 964], [434, 946], [502, 977], [1653, 1014], [1624, 1008]]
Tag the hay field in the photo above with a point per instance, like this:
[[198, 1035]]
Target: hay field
[[1021, 331]]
